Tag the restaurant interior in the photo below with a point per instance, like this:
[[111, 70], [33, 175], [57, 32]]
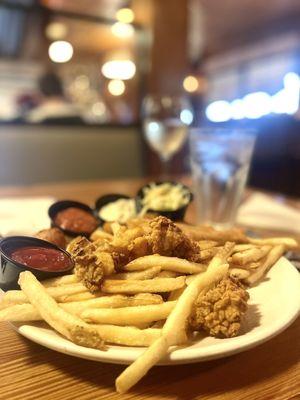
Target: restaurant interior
[[232, 64]]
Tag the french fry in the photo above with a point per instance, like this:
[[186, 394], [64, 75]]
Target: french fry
[[18, 297], [175, 294], [166, 263], [167, 274], [158, 324], [139, 275], [271, 258], [174, 328], [242, 247], [61, 280], [250, 266], [209, 253], [156, 285], [198, 233], [288, 242], [66, 324], [127, 335], [239, 273], [26, 312], [207, 244], [79, 297], [250, 255], [128, 315]]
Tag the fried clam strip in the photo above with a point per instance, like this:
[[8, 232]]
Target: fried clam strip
[[250, 255], [175, 326], [139, 275], [127, 335], [91, 265], [18, 297], [129, 315], [166, 263], [267, 262], [156, 285], [63, 322], [26, 312]]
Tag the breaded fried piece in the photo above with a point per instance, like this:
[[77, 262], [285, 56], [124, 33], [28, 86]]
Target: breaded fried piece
[[166, 239], [53, 235], [220, 310], [154, 236], [87, 267]]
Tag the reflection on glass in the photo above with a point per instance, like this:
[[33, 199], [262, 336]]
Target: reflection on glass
[[165, 122], [220, 162]]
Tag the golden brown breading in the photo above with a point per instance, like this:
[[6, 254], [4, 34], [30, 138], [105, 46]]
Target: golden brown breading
[[153, 236], [53, 235], [166, 239], [87, 267], [220, 310]]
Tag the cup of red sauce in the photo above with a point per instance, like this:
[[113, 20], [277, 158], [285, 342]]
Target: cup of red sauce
[[73, 218], [22, 253]]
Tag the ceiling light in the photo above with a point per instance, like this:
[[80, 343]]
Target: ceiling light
[[122, 30], [125, 15], [60, 51], [56, 31], [218, 111], [119, 69], [116, 87], [190, 84]]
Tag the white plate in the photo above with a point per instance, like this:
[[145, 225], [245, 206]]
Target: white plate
[[274, 305]]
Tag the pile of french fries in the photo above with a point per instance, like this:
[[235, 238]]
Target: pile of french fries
[[148, 304]]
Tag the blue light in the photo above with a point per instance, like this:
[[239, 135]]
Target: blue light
[[186, 116], [218, 111], [237, 109], [257, 104]]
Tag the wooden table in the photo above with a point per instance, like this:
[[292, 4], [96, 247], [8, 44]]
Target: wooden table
[[28, 371]]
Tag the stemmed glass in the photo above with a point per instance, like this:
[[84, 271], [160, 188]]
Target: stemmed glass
[[165, 125]]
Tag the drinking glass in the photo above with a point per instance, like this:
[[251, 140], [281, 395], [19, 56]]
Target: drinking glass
[[220, 160], [165, 124]]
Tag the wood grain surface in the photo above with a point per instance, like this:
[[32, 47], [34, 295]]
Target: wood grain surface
[[29, 371]]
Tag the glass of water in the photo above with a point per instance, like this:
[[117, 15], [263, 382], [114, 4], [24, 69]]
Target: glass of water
[[165, 124], [220, 160]]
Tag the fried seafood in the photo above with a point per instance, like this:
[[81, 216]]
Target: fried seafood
[[220, 310], [87, 267], [152, 236], [54, 236]]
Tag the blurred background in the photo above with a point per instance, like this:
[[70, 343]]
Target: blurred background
[[73, 76]]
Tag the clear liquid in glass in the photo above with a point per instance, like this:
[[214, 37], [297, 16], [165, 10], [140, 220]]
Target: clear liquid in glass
[[165, 137], [219, 168]]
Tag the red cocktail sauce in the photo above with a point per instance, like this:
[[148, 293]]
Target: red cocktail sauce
[[42, 258], [76, 220]]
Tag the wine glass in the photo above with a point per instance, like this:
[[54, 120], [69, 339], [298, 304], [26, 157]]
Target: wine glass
[[165, 124]]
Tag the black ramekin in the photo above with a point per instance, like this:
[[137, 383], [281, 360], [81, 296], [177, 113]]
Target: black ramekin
[[106, 199], [10, 269], [174, 215], [62, 205]]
